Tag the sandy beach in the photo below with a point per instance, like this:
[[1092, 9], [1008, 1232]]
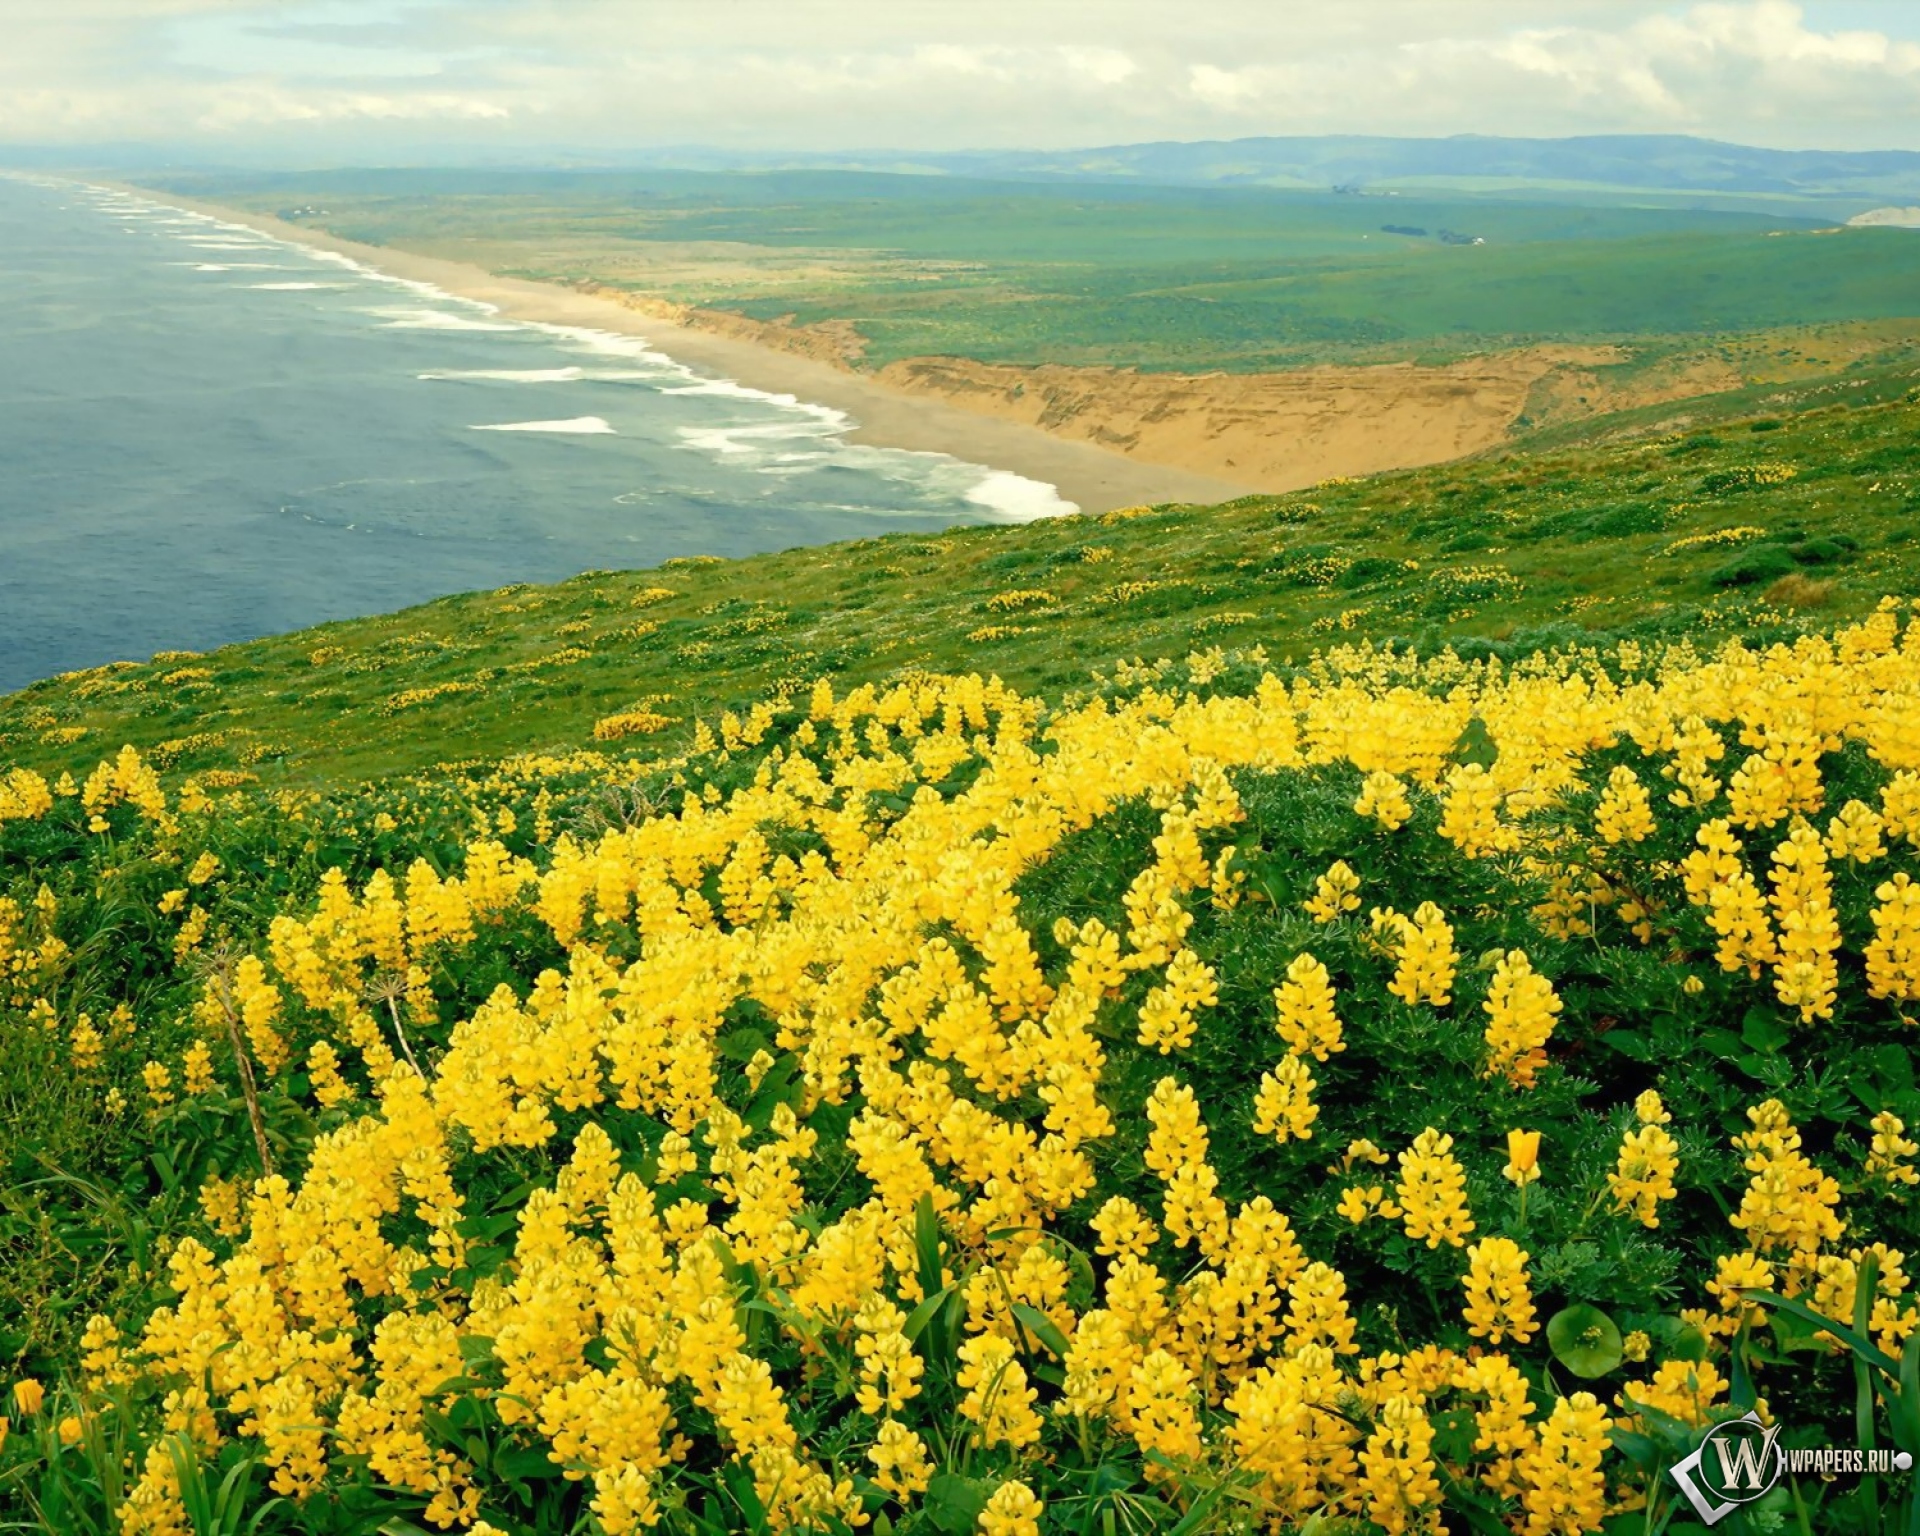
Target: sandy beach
[[1093, 478]]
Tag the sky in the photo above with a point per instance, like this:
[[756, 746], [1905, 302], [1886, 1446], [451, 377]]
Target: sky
[[387, 81]]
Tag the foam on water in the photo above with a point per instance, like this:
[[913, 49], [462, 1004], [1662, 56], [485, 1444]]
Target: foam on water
[[438, 320], [589, 426], [517, 375], [1014, 498], [292, 287]]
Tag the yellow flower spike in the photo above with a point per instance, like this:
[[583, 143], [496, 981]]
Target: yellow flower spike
[[1890, 1157], [1399, 1491], [1643, 1173], [1625, 812], [1284, 1105], [1521, 1009], [1013, 1510], [1335, 893], [1384, 797], [1499, 1299], [1432, 1192], [1649, 1110], [1564, 1487], [1303, 1005]]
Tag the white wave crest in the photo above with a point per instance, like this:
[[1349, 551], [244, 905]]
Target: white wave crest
[[577, 425], [438, 320], [510, 375], [1012, 498]]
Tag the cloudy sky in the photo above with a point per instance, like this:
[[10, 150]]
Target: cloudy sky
[[336, 80]]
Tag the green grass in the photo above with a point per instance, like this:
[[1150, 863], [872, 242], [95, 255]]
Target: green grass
[[1510, 551], [1150, 277]]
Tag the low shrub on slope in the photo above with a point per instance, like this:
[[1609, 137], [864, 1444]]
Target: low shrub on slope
[[1390, 1094]]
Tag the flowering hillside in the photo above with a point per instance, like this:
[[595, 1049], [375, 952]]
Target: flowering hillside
[[1382, 1095]]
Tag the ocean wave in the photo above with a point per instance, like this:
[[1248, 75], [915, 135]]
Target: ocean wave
[[508, 375], [727, 389], [289, 287], [578, 425], [1012, 498], [747, 441], [613, 344], [438, 320]]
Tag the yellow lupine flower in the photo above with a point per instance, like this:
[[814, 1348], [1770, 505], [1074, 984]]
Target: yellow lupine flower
[[1625, 812], [1284, 1105], [1013, 1510], [1432, 1191], [1399, 1491], [1335, 893], [1643, 1173], [1303, 1005], [1499, 1299], [1384, 797], [1521, 1008]]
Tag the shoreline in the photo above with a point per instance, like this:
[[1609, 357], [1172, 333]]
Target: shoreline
[[1094, 479]]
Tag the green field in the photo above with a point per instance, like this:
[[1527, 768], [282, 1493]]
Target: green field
[[1150, 277]]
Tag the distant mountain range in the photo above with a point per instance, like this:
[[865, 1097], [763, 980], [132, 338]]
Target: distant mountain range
[[1670, 162], [1665, 166]]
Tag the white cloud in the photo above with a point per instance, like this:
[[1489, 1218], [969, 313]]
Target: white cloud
[[331, 76]]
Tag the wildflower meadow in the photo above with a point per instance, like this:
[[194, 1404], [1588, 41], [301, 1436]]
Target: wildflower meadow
[[1373, 1095]]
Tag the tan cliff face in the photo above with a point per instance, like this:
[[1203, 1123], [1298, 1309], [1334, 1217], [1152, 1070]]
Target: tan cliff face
[[1276, 431], [1268, 431]]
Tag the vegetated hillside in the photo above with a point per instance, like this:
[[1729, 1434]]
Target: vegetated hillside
[[1376, 1096], [1738, 526], [1159, 278]]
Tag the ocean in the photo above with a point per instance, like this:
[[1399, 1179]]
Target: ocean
[[208, 435]]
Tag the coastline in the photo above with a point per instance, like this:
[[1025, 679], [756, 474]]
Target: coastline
[[1095, 479]]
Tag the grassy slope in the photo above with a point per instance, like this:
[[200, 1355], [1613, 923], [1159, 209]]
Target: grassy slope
[[1515, 549], [1167, 278]]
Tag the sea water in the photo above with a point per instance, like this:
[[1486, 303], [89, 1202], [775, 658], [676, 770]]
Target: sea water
[[207, 435]]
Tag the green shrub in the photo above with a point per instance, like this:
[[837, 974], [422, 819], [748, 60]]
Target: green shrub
[[1753, 565]]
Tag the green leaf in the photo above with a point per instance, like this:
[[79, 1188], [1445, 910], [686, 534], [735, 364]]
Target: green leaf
[[1629, 1043], [953, 1503], [1042, 1328], [1861, 1345], [1764, 1030], [921, 1315], [926, 1245], [1584, 1340]]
